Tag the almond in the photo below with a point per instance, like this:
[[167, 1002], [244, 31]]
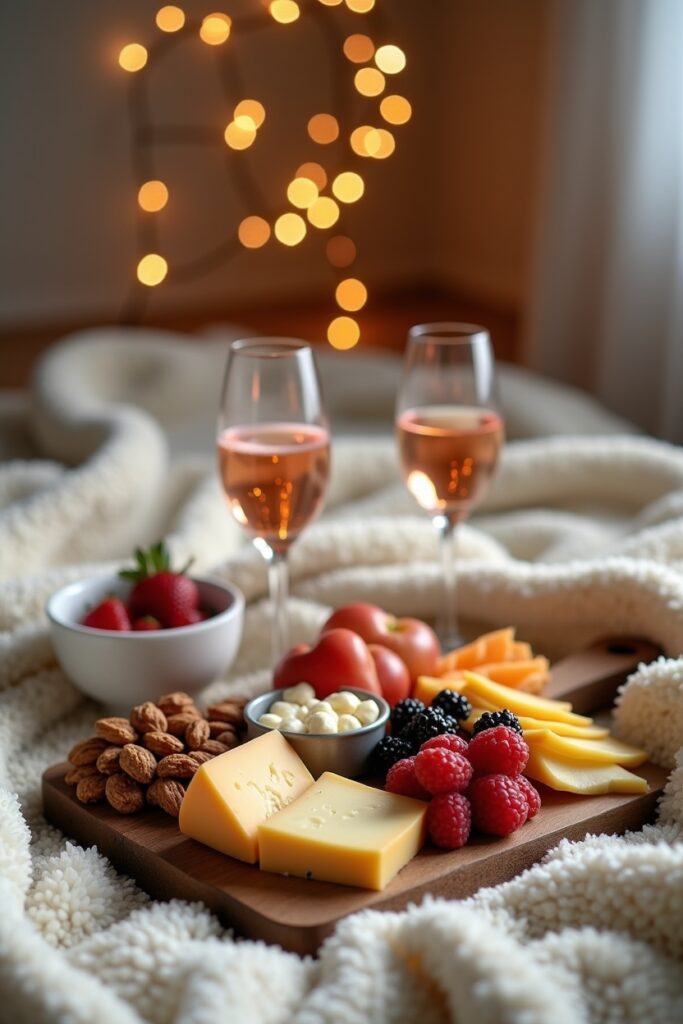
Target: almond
[[177, 724], [124, 794], [78, 772], [217, 727], [197, 733], [116, 730], [231, 711], [91, 789], [147, 717], [162, 743], [228, 739], [200, 756], [214, 747], [108, 761], [177, 766], [172, 703], [167, 794], [87, 751], [139, 763]]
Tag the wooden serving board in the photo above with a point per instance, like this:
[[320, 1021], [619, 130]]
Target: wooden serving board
[[298, 914]]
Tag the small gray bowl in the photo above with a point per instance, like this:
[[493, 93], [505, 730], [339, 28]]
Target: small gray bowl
[[344, 753]]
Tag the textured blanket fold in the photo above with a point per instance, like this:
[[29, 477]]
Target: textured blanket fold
[[580, 536]]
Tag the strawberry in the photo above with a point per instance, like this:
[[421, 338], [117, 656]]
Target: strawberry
[[160, 592], [108, 614], [145, 624]]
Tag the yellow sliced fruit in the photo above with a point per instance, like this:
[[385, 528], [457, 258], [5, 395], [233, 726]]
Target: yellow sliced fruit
[[582, 777], [478, 688], [587, 732], [495, 646], [607, 750]]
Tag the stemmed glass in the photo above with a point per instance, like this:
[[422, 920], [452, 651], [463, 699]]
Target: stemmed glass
[[449, 432], [273, 454]]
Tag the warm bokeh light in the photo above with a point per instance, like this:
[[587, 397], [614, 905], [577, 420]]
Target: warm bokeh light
[[252, 109], [253, 232], [323, 128], [348, 187], [386, 145], [240, 136], [284, 11], [340, 251], [390, 59], [290, 228], [302, 192], [365, 141], [351, 294], [215, 28], [323, 213], [359, 48], [133, 57], [369, 81], [395, 109], [153, 196], [170, 18], [331, 3], [360, 6], [313, 171], [152, 269], [343, 332]]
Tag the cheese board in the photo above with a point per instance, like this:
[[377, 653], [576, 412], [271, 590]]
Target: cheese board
[[298, 914]]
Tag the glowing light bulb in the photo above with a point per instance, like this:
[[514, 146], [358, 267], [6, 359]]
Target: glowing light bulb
[[240, 136], [302, 192], [252, 109], [313, 171], [152, 269], [360, 6], [153, 196], [170, 18], [390, 59], [359, 48], [343, 332], [133, 57], [323, 213], [253, 232], [215, 29], [284, 11], [340, 251], [369, 81], [348, 187], [395, 109], [290, 229], [351, 294], [323, 128]]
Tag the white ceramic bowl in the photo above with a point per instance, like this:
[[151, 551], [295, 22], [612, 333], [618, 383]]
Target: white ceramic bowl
[[121, 669]]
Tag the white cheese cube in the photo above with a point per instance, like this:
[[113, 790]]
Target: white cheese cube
[[270, 721], [367, 712], [283, 708], [344, 703], [299, 694], [347, 723], [321, 722]]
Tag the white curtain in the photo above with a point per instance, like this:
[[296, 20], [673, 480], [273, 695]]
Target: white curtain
[[606, 309]]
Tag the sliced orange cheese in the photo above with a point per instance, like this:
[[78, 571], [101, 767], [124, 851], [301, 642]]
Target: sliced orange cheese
[[490, 647], [607, 750], [521, 651], [582, 777], [586, 732], [531, 674], [479, 688]]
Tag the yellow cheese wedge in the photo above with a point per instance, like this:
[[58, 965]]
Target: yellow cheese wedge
[[528, 704], [587, 779], [343, 831], [608, 750], [587, 732], [232, 794]]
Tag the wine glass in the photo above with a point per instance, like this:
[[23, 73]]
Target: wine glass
[[273, 454], [449, 432]]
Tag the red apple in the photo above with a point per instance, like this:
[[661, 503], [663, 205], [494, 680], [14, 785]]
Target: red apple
[[339, 659], [413, 640], [392, 672]]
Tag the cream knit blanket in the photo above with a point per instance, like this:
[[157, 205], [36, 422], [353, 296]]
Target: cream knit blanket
[[582, 535]]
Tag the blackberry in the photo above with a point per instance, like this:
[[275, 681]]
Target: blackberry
[[490, 719], [452, 724], [424, 725], [454, 704], [402, 713], [388, 751]]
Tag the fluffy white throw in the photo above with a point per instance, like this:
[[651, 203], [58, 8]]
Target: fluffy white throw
[[581, 536]]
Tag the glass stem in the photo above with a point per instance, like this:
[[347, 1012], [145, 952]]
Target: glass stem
[[278, 585], [447, 620]]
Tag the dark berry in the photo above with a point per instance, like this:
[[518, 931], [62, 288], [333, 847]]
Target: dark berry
[[490, 719], [453, 704], [388, 751], [452, 724], [402, 713], [424, 725]]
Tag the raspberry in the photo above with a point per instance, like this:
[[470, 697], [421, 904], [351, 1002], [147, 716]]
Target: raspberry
[[402, 713], [424, 725], [449, 740], [533, 797], [449, 820], [453, 704], [441, 770], [401, 778], [490, 719], [388, 751], [499, 750], [499, 805]]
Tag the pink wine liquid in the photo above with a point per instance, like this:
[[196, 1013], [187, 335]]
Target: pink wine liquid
[[274, 476], [448, 455]]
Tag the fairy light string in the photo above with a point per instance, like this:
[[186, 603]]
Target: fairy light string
[[314, 200]]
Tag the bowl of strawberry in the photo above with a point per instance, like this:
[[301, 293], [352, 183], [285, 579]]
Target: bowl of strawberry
[[145, 631]]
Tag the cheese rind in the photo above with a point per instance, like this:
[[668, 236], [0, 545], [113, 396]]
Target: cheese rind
[[343, 831], [233, 793]]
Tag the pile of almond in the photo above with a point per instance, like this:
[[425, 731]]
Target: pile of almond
[[149, 757]]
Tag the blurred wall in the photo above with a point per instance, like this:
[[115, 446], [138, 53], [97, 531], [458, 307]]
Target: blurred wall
[[453, 206]]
